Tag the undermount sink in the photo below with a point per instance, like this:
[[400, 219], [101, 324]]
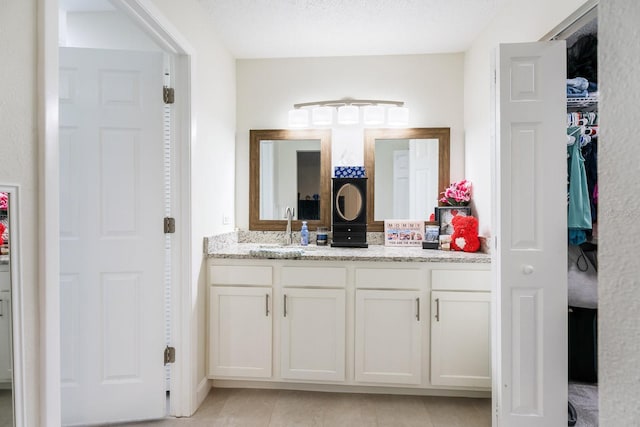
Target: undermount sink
[[275, 251]]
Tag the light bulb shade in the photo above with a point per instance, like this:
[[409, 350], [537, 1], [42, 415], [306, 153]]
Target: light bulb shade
[[322, 116], [398, 116], [298, 118], [373, 115], [348, 115]]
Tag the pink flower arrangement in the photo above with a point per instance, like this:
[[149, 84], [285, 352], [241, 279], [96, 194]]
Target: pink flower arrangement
[[457, 194], [4, 199]]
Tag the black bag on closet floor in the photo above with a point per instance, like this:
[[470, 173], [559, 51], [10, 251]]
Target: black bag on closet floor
[[583, 344]]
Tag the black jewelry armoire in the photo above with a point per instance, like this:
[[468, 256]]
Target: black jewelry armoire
[[350, 213]]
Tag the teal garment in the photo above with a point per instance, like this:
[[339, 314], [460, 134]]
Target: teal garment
[[577, 237], [579, 204]]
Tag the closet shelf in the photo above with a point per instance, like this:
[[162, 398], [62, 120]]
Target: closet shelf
[[582, 102]]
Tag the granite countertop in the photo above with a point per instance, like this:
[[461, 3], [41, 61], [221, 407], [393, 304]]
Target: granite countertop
[[372, 253]]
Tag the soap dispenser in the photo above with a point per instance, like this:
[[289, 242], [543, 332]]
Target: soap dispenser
[[304, 234]]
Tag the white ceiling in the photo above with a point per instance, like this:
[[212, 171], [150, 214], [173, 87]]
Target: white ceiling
[[304, 28], [85, 5]]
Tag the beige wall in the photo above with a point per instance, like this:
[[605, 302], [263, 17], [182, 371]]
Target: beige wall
[[520, 21], [19, 165], [618, 178], [430, 85]]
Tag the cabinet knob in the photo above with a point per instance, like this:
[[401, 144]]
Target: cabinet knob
[[527, 269]]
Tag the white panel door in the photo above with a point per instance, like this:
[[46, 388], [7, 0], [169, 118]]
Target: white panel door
[[387, 337], [423, 183], [111, 236], [240, 328], [313, 334], [401, 184], [530, 260], [460, 339]]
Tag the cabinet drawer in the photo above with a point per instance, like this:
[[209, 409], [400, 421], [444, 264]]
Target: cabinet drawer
[[350, 237], [314, 276], [376, 278], [260, 275], [461, 280], [349, 228]]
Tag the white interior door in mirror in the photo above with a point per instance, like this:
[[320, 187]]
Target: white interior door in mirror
[[406, 178]]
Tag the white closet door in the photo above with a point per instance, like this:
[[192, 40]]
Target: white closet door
[[530, 262], [111, 236]]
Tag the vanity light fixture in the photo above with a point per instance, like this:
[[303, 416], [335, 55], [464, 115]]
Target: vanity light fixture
[[398, 116], [298, 118], [373, 115], [322, 116], [348, 113]]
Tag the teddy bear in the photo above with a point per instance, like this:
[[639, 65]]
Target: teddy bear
[[465, 234]]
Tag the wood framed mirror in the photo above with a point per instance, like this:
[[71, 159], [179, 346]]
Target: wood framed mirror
[[407, 171], [289, 168]]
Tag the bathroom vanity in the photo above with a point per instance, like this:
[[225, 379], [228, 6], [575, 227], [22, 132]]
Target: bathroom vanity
[[351, 319]]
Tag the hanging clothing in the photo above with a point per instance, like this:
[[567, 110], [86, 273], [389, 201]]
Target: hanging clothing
[[579, 210], [590, 155]]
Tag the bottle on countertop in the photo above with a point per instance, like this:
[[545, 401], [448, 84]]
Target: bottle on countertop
[[304, 234]]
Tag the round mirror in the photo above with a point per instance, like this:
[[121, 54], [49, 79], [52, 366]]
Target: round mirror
[[349, 202]]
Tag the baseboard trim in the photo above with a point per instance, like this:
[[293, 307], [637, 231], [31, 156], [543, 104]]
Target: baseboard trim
[[339, 388], [202, 391]]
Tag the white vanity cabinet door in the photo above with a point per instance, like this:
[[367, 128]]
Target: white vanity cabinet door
[[387, 336], [240, 329], [460, 339], [313, 334]]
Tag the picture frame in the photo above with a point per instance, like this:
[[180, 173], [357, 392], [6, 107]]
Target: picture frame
[[399, 232], [431, 235], [444, 215]]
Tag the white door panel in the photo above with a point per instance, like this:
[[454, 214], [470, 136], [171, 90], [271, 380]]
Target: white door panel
[[112, 242], [460, 342], [313, 334], [530, 226], [388, 336], [240, 328]]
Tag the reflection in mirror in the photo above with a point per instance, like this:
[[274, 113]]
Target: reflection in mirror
[[348, 202], [290, 177], [6, 344], [406, 178], [289, 168], [407, 170]]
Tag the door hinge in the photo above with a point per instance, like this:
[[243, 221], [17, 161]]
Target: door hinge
[[169, 225], [168, 95], [169, 355]]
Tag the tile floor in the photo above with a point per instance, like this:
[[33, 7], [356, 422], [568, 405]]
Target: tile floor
[[250, 407], [6, 408]]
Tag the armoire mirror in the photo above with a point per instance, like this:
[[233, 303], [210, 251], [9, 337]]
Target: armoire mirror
[[289, 168], [407, 170], [348, 202]]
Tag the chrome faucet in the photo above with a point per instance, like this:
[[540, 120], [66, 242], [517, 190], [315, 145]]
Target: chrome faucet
[[288, 213]]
